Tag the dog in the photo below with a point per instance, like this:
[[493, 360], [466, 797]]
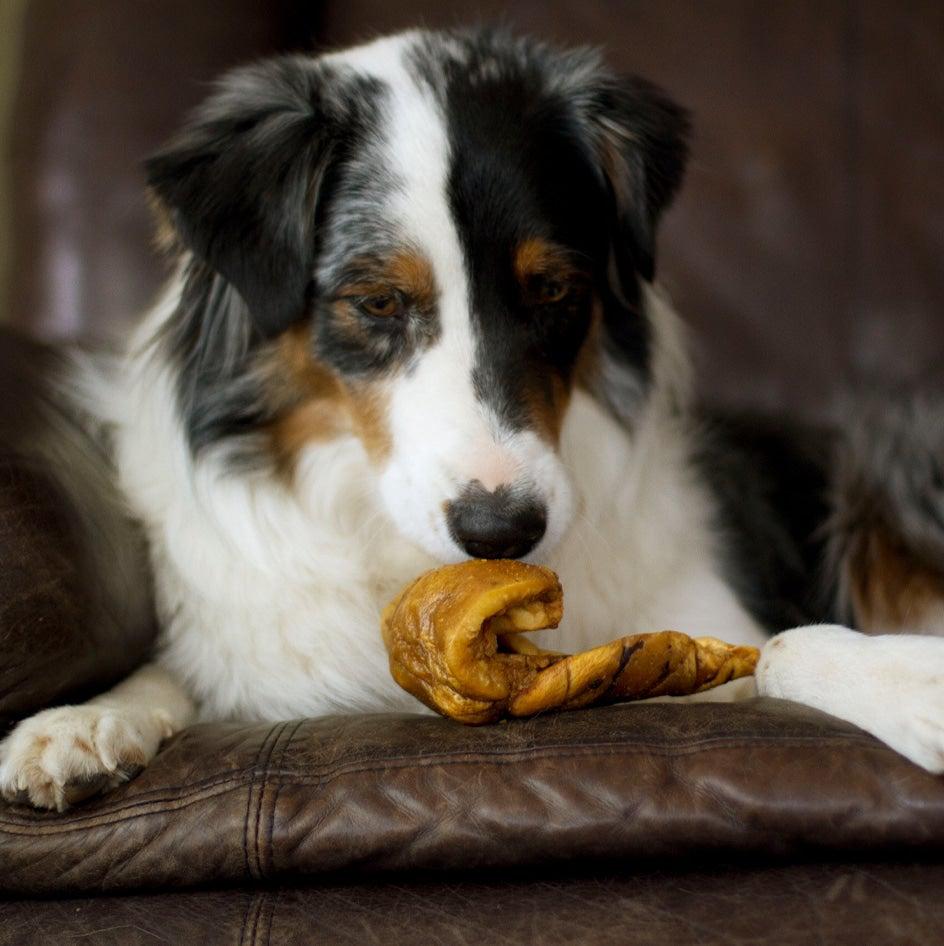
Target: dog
[[413, 318]]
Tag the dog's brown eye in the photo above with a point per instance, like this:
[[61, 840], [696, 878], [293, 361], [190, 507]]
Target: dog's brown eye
[[552, 290], [383, 305], [545, 290]]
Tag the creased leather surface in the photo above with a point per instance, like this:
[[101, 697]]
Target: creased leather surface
[[857, 904], [378, 793]]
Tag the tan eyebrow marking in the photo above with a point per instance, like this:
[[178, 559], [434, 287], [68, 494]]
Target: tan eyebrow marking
[[406, 270], [539, 257]]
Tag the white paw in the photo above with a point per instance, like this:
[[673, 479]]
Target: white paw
[[891, 686], [61, 756]]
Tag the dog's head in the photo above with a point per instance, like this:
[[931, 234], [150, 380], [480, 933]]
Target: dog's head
[[425, 242]]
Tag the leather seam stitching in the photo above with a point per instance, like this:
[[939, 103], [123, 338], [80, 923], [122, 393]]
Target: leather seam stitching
[[278, 789], [255, 861], [273, 905], [255, 907], [24, 829], [250, 903], [252, 770], [260, 906]]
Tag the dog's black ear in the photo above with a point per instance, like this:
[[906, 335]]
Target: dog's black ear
[[640, 141], [240, 183]]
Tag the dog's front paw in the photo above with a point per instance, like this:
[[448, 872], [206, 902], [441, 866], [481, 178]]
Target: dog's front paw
[[891, 686], [64, 755]]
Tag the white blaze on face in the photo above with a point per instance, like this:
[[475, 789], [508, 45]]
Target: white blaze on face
[[442, 437]]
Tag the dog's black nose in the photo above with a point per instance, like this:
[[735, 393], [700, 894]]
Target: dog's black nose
[[499, 524]]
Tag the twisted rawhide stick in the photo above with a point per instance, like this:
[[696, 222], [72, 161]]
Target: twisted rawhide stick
[[454, 639]]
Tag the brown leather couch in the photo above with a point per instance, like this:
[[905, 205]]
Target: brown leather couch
[[807, 253]]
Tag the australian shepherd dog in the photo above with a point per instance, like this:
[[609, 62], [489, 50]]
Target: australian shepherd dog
[[413, 319]]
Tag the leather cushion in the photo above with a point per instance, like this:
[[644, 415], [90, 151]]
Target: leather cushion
[[235, 803]]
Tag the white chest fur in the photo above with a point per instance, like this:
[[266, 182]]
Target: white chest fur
[[641, 553]]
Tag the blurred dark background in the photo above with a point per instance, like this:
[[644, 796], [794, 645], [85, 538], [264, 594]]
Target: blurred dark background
[[806, 250]]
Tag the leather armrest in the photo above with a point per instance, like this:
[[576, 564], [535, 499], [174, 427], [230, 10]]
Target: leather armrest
[[234, 804], [49, 650]]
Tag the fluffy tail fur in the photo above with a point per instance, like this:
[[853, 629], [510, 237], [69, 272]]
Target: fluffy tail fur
[[886, 537]]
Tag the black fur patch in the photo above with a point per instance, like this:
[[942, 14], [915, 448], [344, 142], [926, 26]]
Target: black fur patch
[[770, 481], [242, 180], [532, 156]]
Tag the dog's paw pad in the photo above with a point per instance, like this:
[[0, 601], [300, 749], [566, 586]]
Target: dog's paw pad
[[65, 755]]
